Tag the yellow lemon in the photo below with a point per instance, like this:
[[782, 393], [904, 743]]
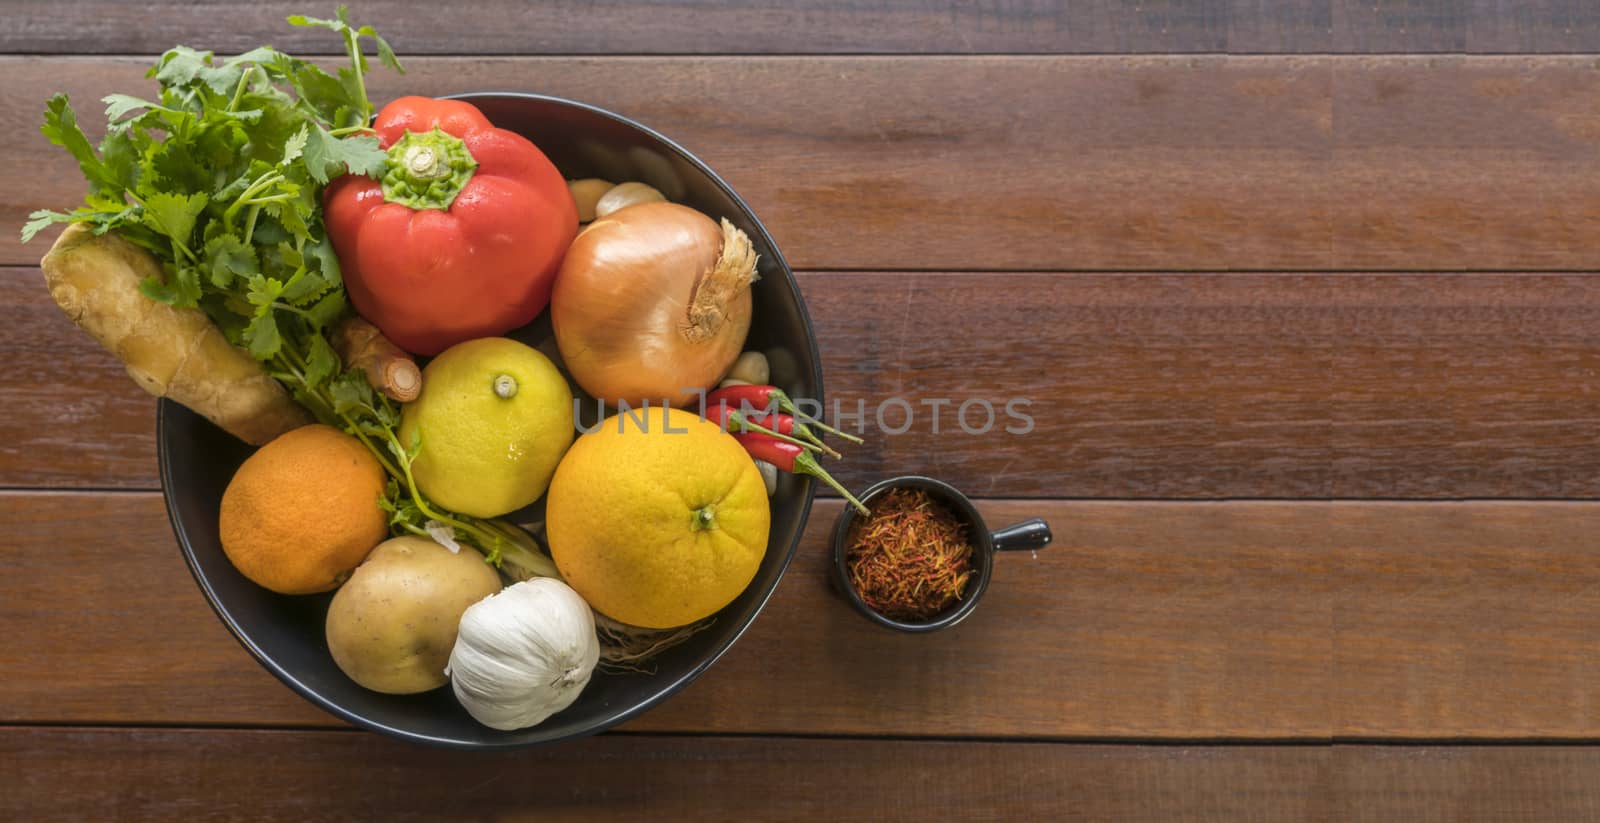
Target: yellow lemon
[[492, 422], [658, 518]]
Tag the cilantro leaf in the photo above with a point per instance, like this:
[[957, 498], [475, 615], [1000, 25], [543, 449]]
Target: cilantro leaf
[[158, 290], [321, 362], [227, 257], [174, 214], [41, 220], [181, 66], [61, 128], [118, 105], [295, 146], [187, 281], [264, 291], [385, 53], [351, 392], [180, 288], [262, 336], [328, 156], [305, 286], [120, 159], [328, 309], [327, 261]]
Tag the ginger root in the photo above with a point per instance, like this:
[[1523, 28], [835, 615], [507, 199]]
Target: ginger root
[[388, 369], [173, 353]]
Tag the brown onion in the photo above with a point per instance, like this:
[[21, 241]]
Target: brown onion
[[653, 303]]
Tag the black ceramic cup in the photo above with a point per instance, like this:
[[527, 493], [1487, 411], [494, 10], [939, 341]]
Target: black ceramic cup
[[1028, 535]]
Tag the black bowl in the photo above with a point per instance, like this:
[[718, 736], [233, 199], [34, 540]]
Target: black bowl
[[285, 634]]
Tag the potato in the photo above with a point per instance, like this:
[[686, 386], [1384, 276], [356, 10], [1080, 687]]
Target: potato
[[392, 625]]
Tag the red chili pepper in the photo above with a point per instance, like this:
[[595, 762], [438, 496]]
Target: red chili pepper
[[789, 424], [768, 399], [730, 420], [794, 460], [785, 425]]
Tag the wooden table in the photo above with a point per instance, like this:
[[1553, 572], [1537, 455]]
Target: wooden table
[[1313, 345]]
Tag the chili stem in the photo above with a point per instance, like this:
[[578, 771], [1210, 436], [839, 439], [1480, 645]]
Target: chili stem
[[806, 464]]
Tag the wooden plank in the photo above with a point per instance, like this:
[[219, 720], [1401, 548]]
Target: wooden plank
[[1468, 618], [715, 27], [1477, 27], [828, 27], [1379, 784], [1141, 386], [71, 774], [1059, 163], [72, 416], [1144, 620], [203, 775]]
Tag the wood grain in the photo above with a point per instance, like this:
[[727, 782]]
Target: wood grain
[[1300, 621], [1147, 163], [217, 774], [1380, 784], [826, 26], [1141, 386], [712, 27], [1479, 26], [206, 775]]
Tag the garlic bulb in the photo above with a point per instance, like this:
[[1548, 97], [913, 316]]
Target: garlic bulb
[[523, 654]]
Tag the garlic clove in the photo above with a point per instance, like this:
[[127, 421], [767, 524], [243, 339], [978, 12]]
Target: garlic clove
[[587, 193], [769, 476], [751, 367], [624, 195]]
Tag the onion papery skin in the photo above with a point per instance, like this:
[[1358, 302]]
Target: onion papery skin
[[652, 303]]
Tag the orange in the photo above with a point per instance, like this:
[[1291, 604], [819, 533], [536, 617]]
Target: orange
[[658, 519], [302, 512]]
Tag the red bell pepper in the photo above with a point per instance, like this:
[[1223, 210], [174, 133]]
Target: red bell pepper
[[463, 235]]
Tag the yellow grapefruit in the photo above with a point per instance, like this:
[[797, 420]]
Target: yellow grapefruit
[[658, 518]]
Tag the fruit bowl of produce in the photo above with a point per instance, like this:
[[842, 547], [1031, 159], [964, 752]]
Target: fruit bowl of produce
[[415, 437]]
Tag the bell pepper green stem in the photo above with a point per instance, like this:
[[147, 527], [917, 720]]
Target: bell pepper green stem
[[427, 170]]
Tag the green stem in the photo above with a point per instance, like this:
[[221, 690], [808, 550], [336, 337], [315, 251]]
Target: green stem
[[270, 178], [276, 198], [238, 93], [250, 224], [296, 309], [488, 536], [529, 559], [353, 45], [426, 170], [288, 360]]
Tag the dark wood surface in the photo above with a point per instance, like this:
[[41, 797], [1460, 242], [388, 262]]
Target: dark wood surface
[[1305, 297], [1156, 163], [215, 775], [1431, 386], [827, 26], [1194, 621], [207, 775]]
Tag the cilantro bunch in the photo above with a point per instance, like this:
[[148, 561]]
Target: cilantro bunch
[[220, 178]]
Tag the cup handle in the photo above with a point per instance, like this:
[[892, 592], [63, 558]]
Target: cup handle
[[1029, 535]]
